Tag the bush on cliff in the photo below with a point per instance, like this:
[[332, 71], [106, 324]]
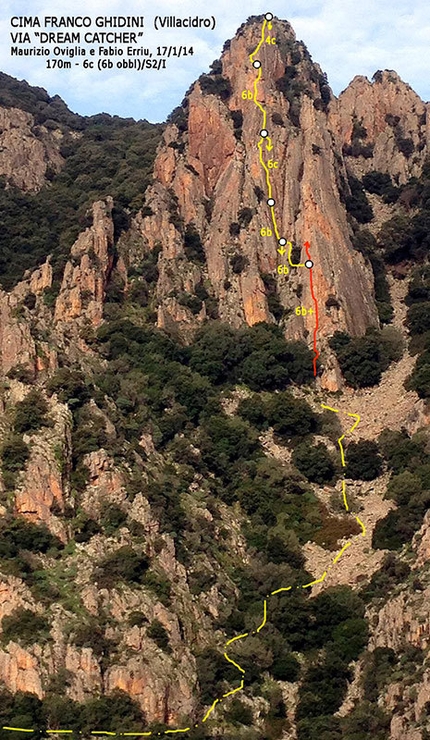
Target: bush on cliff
[[31, 414], [25, 627]]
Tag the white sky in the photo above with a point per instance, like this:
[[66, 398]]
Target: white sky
[[346, 37]]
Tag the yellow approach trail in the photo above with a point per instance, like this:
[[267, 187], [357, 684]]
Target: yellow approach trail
[[352, 419]]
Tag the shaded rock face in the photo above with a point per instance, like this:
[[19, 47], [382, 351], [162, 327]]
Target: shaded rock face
[[26, 150], [211, 175]]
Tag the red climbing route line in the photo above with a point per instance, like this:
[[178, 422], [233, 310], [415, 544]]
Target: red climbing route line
[[317, 354]]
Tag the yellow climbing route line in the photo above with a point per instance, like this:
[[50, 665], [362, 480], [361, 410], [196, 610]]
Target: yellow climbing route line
[[278, 590], [363, 528], [340, 553], [266, 169], [257, 103], [236, 665], [234, 691], [171, 732], [17, 729], [318, 580], [342, 453], [329, 408], [293, 264], [344, 496], [263, 27], [283, 589], [239, 637], [357, 417], [210, 710], [264, 616]]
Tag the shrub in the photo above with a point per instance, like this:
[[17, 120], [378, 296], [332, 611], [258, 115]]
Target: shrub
[[113, 713], [31, 413], [213, 674], [240, 713], [367, 720], [419, 380], [137, 619], [112, 517], [392, 572], [285, 668], [377, 182], [70, 386], [159, 585], [277, 119], [396, 528], [14, 454], [275, 306], [363, 461], [244, 217], [25, 627], [124, 565], [193, 246], [92, 635], [403, 487], [225, 440], [22, 373], [356, 202], [179, 117], [238, 263], [237, 118], [400, 451], [19, 534], [405, 145], [418, 318], [30, 301], [289, 416], [215, 84], [258, 356], [314, 462], [159, 634], [362, 359]]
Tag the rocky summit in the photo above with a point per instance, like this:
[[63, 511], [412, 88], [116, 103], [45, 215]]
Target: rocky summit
[[215, 373]]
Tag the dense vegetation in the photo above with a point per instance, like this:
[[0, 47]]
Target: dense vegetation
[[109, 156], [409, 487], [112, 713], [364, 359], [148, 383]]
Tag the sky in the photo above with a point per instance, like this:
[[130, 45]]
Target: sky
[[346, 37]]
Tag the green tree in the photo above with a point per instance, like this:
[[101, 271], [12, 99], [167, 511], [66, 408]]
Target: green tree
[[240, 713], [124, 564], [25, 627], [159, 634], [363, 461], [14, 454], [31, 413], [315, 462]]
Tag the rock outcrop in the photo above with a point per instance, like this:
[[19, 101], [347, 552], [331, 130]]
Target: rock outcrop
[[212, 178], [85, 276], [27, 150], [390, 112]]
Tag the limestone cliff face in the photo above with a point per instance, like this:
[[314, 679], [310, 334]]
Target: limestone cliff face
[[390, 111], [211, 175], [27, 150]]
